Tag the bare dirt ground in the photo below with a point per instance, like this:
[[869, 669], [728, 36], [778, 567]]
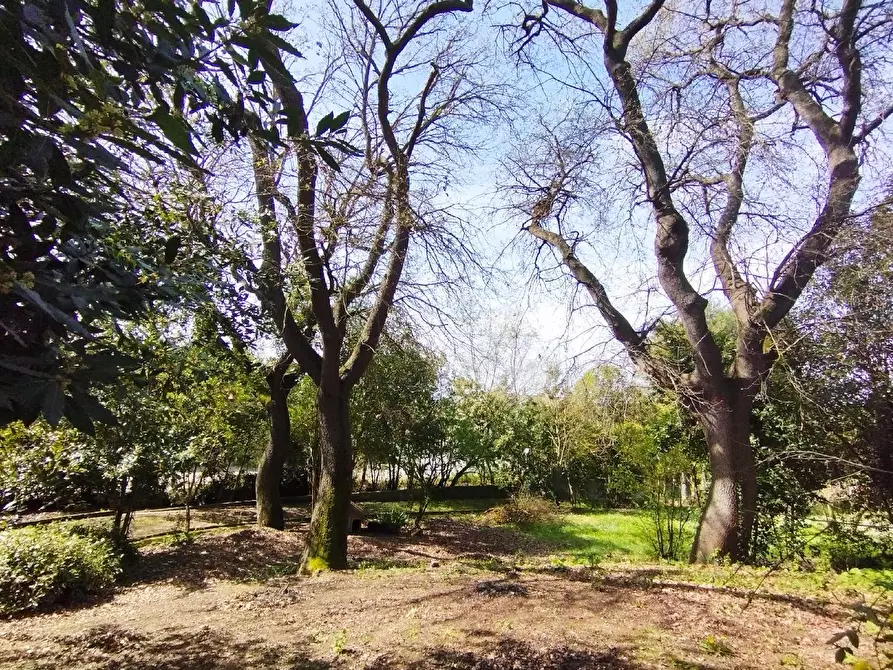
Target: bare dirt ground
[[450, 599]]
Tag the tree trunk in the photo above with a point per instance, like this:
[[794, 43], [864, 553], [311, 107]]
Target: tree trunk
[[314, 466], [727, 519], [326, 547], [458, 476], [272, 461]]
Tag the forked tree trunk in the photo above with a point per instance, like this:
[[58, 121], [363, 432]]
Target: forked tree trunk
[[727, 519], [269, 471], [326, 547]]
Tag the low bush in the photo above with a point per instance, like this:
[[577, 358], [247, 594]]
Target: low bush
[[45, 565], [393, 518], [123, 547], [520, 510]]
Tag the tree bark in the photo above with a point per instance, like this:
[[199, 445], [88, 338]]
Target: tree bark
[[314, 467], [272, 461], [326, 545], [458, 476], [727, 519]]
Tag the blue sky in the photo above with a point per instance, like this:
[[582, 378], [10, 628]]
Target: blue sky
[[559, 328]]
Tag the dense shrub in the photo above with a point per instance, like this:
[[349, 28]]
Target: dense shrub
[[44, 565], [850, 546], [125, 549], [519, 510]]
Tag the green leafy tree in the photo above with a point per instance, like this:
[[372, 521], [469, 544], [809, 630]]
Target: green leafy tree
[[88, 88], [96, 95], [183, 425], [393, 399], [840, 365]]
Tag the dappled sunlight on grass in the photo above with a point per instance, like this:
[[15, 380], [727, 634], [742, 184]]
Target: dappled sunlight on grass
[[615, 539], [587, 536]]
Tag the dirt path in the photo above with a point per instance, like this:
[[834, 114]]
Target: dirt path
[[201, 607]]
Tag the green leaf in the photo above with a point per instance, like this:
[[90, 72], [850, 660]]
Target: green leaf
[[9, 363], [278, 22], [79, 419], [256, 77], [104, 18], [837, 637], [59, 170], [344, 147], [171, 247], [203, 18], [35, 299], [175, 129], [92, 407], [325, 123], [328, 159], [217, 129], [246, 7], [339, 121]]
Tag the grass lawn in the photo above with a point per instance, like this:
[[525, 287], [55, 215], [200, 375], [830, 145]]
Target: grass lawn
[[583, 537], [623, 537]]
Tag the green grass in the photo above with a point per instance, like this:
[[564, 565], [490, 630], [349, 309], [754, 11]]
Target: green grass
[[579, 537], [623, 537]]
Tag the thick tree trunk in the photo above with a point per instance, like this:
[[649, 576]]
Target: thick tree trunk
[[727, 519], [314, 467], [326, 547], [272, 461]]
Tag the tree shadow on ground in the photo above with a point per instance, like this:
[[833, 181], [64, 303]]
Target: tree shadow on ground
[[455, 539], [636, 579], [203, 649], [805, 603], [511, 654], [70, 603], [245, 555], [112, 646], [223, 516]]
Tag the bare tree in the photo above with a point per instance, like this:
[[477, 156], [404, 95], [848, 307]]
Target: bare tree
[[335, 248], [701, 94]]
